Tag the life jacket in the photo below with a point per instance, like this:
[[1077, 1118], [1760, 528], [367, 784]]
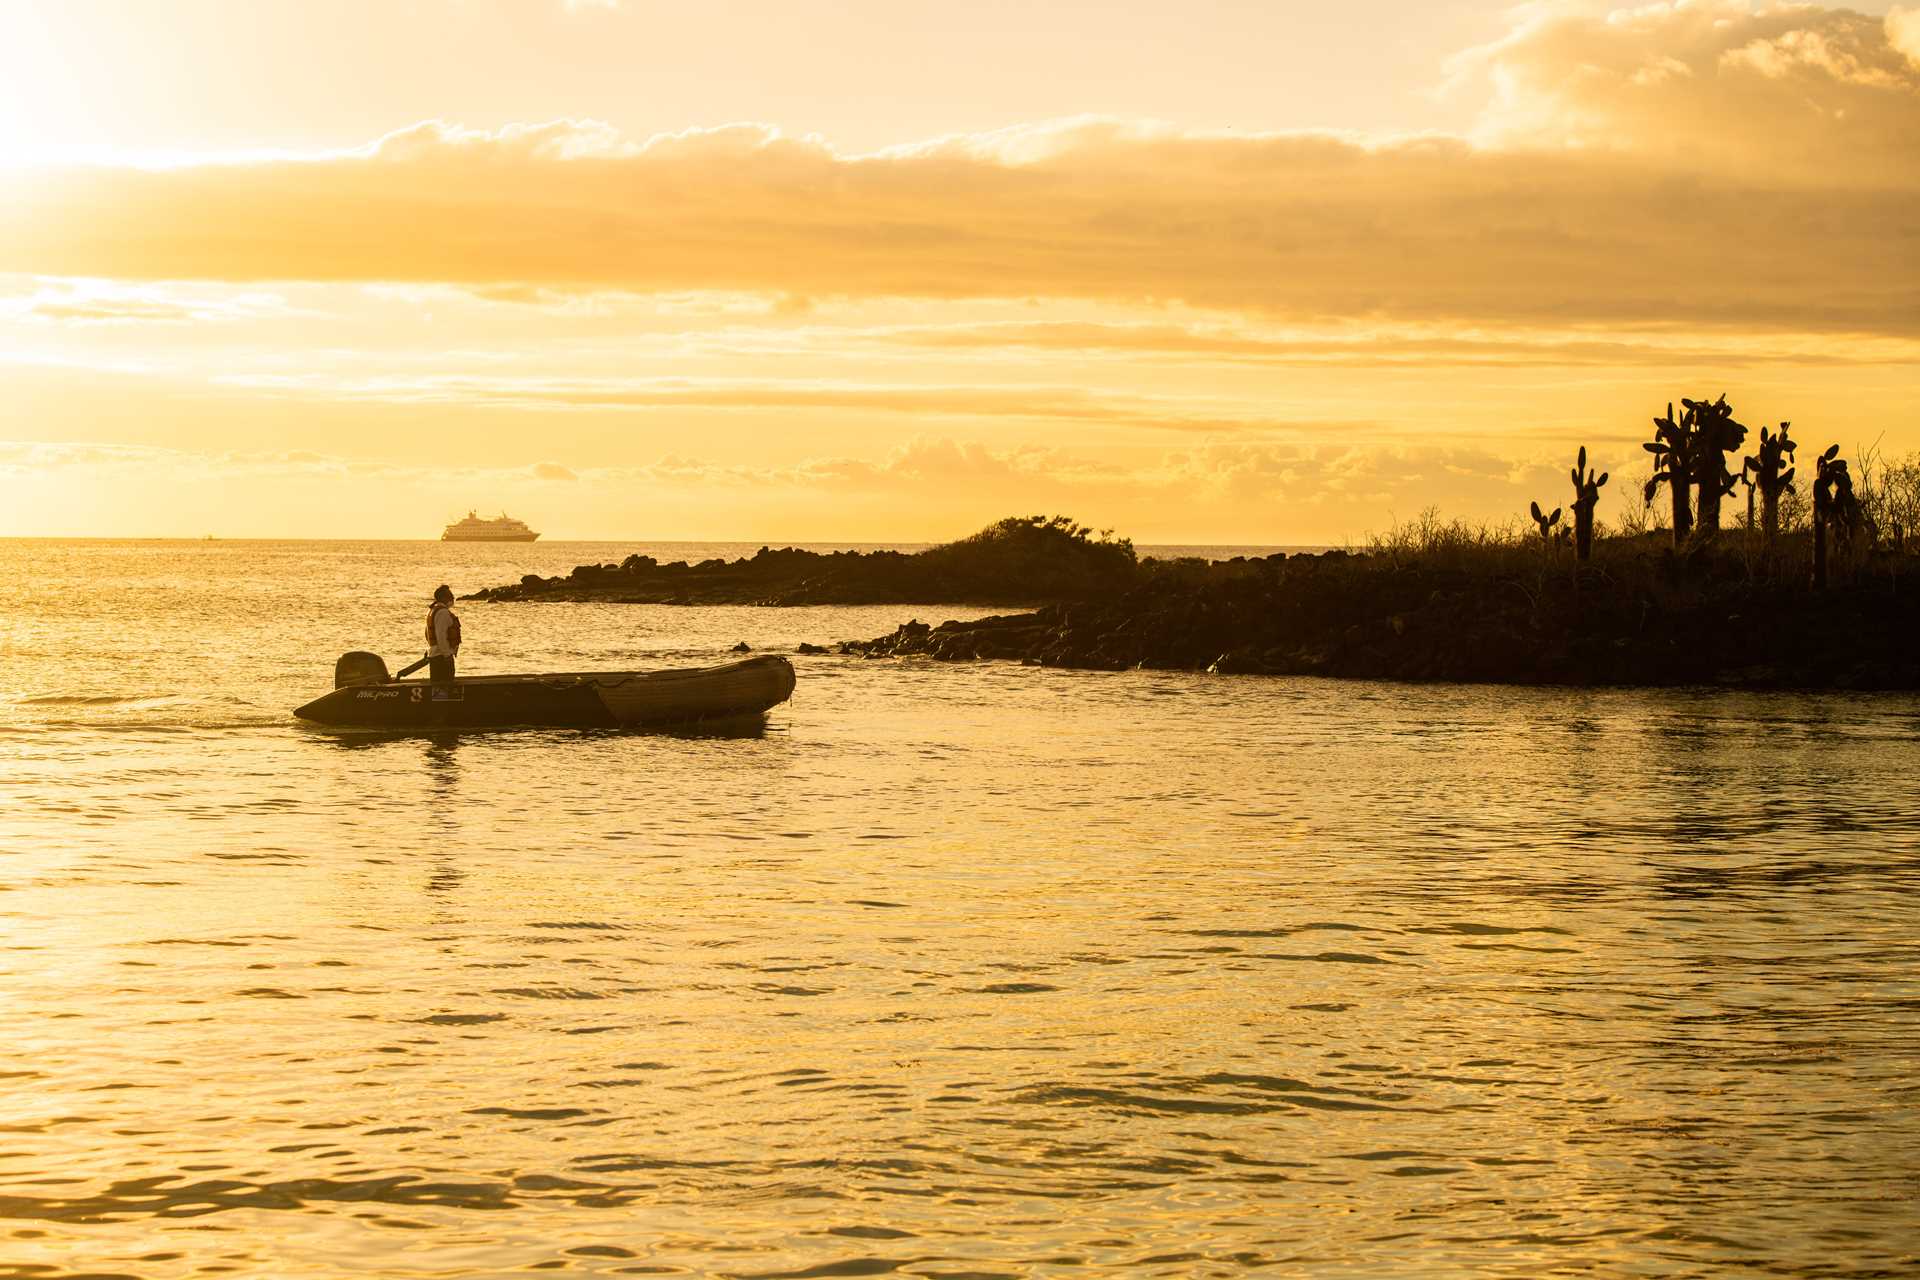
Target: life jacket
[[453, 631]]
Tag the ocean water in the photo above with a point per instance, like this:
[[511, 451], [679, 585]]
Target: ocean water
[[949, 971]]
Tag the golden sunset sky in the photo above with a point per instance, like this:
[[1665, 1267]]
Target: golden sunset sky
[[1201, 271]]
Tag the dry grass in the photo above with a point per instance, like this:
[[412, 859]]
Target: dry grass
[[1889, 494], [1429, 542]]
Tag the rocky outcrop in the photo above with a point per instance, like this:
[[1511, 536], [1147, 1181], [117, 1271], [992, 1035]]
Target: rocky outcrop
[[1666, 622], [784, 576], [1017, 561]]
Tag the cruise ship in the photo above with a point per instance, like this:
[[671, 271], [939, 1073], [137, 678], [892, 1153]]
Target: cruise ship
[[474, 529]]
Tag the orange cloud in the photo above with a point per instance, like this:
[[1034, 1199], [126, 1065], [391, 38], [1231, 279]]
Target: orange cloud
[[1378, 348], [107, 302], [1903, 32], [1692, 163], [1791, 93], [1068, 404]]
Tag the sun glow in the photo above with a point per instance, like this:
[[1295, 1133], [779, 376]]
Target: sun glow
[[29, 65], [17, 135]]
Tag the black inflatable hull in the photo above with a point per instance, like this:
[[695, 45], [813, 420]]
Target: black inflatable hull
[[609, 699]]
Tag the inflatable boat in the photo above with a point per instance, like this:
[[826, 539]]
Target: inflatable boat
[[365, 696]]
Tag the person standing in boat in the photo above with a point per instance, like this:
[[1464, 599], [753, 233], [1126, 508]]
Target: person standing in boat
[[443, 635]]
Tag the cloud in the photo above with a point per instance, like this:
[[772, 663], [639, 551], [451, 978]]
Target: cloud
[[1378, 347], [86, 301], [1903, 32], [1791, 93], [109, 312], [1041, 402], [924, 464], [44, 456], [1691, 163], [141, 460], [155, 460]]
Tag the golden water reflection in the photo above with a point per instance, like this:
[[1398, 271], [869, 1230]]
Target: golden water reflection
[[966, 970]]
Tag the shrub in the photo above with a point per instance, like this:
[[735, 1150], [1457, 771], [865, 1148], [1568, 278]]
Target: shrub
[[1050, 556], [1889, 494]]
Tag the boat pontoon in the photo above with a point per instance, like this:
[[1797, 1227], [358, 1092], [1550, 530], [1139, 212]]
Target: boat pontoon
[[365, 696]]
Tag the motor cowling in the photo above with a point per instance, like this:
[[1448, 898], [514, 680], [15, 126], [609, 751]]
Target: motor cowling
[[359, 667]]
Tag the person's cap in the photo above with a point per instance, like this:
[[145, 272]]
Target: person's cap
[[443, 592]]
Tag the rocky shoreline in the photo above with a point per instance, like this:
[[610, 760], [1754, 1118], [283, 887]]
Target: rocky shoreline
[[1334, 615], [1638, 613]]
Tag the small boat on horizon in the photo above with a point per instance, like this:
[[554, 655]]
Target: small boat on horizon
[[365, 696], [474, 529]]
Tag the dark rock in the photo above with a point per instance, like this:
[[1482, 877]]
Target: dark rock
[[1365, 617]]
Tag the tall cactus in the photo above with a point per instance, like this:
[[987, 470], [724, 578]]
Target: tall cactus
[[1769, 477], [1833, 506], [1715, 434], [1546, 523], [1672, 448], [1586, 493]]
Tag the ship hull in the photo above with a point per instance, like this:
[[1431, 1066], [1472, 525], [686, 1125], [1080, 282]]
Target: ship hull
[[605, 699], [488, 537]]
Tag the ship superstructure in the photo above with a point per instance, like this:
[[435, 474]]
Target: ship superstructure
[[474, 529]]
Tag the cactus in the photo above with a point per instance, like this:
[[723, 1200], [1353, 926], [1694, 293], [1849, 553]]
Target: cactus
[[1549, 536], [1715, 434], [1586, 493], [1770, 479], [1672, 448], [1833, 506]]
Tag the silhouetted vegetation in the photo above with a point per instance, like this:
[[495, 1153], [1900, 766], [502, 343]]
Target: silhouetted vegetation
[[1836, 511], [1586, 495], [1051, 557], [1890, 498], [1672, 449], [1769, 473], [1550, 537], [1716, 435]]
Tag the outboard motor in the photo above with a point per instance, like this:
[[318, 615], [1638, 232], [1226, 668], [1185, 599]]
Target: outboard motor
[[359, 667]]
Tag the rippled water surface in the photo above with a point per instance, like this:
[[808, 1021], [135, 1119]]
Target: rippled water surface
[[952, 971]]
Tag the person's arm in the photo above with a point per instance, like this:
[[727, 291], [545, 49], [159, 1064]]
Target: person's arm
[[442, 626]]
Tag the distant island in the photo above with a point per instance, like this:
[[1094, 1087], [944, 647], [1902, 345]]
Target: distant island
[[1031, 561], [1813, 589]]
